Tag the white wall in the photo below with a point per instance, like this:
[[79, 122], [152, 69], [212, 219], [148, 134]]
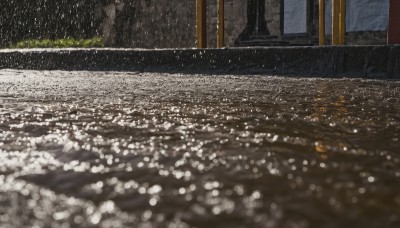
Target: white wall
[[362, 15]]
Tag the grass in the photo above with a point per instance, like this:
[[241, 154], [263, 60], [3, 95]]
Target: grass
[[95, 42]]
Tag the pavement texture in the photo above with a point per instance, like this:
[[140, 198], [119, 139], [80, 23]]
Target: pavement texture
[[134, 149], [379, 62]]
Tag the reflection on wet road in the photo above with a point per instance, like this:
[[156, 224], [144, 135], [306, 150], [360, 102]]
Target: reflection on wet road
[[166, 150]]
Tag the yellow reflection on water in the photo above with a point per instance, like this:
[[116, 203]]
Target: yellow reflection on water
[[324, 107]]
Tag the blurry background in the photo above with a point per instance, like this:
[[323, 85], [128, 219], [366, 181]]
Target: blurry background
[[171, 23]]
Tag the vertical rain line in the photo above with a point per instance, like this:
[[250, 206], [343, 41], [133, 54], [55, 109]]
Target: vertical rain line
[[321, 22], [221, 23], [201, 23], [342, 24], [335, 22]]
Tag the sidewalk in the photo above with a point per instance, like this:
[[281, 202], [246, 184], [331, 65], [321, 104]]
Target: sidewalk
[[339, 61]]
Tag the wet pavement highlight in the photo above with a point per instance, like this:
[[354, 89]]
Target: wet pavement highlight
[[113, 149]]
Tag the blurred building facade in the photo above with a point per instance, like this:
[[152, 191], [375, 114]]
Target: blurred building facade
[[171, 23]]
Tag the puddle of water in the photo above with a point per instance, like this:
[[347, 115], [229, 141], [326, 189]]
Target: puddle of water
[[122, 149]]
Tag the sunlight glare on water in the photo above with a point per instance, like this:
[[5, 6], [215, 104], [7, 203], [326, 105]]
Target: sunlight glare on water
[[140, 149]]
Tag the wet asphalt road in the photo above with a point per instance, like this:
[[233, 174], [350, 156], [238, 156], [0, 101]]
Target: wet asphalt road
[[108, 149]]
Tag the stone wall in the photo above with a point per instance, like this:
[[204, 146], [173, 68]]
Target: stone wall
[[235, 19], [171, 24], [153, 24]]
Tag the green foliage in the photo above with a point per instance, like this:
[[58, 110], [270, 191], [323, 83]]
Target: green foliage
[[49, 19], [95, 42]]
